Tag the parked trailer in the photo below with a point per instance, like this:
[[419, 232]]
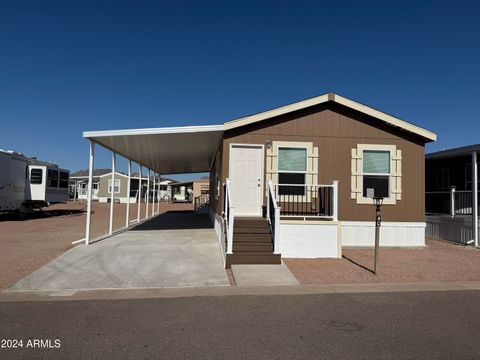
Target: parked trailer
[[26, 183]]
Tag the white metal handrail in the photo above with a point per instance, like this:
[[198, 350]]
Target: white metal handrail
[[273, 217], [229, 216], [327, 206]]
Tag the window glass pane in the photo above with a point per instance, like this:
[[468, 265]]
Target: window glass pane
[[36, 176], [63, 180], [376, 162], [292, 159], [52, 178], [117, 185], [291, 178], [379, 184]]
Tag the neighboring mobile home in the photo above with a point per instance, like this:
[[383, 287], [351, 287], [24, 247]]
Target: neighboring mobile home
[[27, 183], [102, 184], [452, 194], [296, 181]]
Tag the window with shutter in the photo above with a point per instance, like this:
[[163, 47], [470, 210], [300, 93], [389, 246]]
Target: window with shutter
[[376, 171], [292, 162]]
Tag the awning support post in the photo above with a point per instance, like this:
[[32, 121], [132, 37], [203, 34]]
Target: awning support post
[[154, 192], [139, 192], [127, 215], [158, 195], [475, 196], [89, 195], [112, 194], [148, 193]]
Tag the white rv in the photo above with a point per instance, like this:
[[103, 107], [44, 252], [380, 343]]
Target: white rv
[[27, 183]]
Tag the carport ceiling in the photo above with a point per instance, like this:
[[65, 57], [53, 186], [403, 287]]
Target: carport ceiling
[[172, 150]]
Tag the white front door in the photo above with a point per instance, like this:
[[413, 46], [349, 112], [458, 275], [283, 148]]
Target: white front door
[[246, 176]]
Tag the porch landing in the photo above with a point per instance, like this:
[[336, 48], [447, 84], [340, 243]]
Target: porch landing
[[170, 250]]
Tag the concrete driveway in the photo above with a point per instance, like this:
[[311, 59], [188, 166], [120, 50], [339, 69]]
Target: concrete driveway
[[171, 250]]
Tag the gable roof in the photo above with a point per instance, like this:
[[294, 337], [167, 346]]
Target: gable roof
[[389, 119]]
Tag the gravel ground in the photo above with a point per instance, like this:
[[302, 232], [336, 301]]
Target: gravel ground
[[439, 261], [30, 242]]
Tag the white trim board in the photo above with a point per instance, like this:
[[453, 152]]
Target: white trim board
[[152, 131], [389, 119]]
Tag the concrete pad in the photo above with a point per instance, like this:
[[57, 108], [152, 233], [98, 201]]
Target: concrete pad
[[253, 275], [149, 256]]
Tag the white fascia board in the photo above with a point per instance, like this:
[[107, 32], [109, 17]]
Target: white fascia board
[[275, 112], [385, 117], [153, 131], [389, 119], [116, 174]]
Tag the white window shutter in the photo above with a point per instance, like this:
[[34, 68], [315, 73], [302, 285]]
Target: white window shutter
[[397, 174], [312, 166], [356, 186]]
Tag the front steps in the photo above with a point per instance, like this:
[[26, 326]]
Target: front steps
[[252, 243]]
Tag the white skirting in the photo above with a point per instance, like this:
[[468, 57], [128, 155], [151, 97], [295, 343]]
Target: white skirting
[[310, 240], [217, 222], [360, 233]]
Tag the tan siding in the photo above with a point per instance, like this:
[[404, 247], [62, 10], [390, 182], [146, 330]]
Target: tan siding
[[103, 186], [335, 131]]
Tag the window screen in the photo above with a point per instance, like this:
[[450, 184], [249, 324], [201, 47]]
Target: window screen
[[376, 173], [292, 168], [376, 162], [36, 176], [292, 159]]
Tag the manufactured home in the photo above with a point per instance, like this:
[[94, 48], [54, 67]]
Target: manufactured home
[[295, 181], [27, 183], [102, 187], [451, 197]]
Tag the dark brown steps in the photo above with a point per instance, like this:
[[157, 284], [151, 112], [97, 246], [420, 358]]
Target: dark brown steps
[[252, 243], [253, 258], [250, 222], [252, 247], [249, 238], [251, 230]]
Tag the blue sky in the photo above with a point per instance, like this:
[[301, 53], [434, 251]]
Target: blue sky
[[67, 67]]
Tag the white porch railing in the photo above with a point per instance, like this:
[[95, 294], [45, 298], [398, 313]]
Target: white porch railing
[[299, 200], [273, 217], [229, 216], [453, 202]]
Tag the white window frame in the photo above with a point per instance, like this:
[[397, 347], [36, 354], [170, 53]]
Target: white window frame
[[308, 146], [391, 199], [110, 186], [292, 172]]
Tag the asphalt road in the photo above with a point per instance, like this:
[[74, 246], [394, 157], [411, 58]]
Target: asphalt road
[[430, 325]]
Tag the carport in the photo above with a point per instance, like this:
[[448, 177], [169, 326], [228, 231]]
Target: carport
[[162, 250], [174, 150], [170, 250]]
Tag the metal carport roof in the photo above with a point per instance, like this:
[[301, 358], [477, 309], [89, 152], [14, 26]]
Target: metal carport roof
[[171, 150]]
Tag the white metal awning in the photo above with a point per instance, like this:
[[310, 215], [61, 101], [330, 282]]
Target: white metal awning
[[171, 150]]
